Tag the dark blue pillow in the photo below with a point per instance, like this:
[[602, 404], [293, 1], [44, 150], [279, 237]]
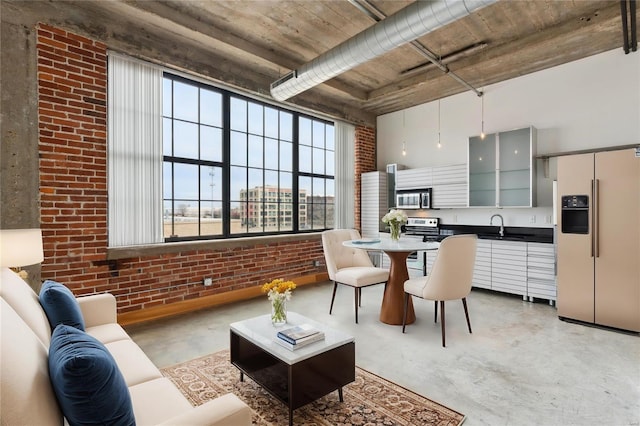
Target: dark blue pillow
[[60, 305], [86, 380]]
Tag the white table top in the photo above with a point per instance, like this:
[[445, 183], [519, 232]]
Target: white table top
[[261, 332], [404, 244]]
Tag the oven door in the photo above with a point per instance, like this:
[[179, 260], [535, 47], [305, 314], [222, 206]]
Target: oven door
[[416, 262]]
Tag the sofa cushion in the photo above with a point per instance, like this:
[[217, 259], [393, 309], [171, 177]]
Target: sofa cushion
[[157, 400], [134, 364], [60, 305], [17, 293], [26, 395], [89, 387]]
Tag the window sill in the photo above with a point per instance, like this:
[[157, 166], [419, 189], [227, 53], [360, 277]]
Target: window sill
[[115, 253]]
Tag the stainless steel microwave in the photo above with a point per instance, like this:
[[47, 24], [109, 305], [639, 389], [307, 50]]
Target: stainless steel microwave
[[425, 199], [408, 200], [420, 199]]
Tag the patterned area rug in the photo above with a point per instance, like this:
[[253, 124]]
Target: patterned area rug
[[370, 400]]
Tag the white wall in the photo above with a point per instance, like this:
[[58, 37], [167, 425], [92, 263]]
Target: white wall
[[586, 104]]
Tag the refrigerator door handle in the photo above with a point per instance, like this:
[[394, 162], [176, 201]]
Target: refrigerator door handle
[[591, 210], [596, 218]]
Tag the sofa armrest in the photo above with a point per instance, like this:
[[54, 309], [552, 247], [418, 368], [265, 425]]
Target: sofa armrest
[[98, 309], [226, 410]]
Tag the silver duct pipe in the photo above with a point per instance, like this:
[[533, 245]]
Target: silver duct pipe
[[408, 24]]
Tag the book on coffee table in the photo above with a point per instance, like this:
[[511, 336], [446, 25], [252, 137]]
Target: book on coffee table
[[300, 343], [294, 334]]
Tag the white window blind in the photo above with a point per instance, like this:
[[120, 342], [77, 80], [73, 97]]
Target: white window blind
[[344, 177], [135, 152]]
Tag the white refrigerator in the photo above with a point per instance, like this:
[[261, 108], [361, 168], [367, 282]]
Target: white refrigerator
[[598, 245]]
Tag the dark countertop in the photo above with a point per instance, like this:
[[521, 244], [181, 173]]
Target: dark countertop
[[511, 233]]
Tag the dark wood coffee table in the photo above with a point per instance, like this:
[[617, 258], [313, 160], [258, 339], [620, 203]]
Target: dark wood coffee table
[[294, 377]]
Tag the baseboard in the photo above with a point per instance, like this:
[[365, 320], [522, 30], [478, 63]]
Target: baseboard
[[164, 311]]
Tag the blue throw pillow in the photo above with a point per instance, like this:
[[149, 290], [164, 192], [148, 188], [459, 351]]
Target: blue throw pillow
[[60, 305], [86, 380]]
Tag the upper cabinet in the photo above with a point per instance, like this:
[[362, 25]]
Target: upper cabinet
[[414, 178], [448, 184], [449, 189], [501, 169]]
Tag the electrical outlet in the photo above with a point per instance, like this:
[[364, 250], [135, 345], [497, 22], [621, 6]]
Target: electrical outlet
[[208, 282], [316, 263], [532, 219], [547, 219], [455, 218]]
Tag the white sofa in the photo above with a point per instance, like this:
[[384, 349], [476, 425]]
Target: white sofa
[[26, 394]]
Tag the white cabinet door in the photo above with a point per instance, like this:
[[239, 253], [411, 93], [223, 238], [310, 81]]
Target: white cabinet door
[[509, 267], [373, 196], [414, 178], [541, 279], [450, 186], [482, 268]]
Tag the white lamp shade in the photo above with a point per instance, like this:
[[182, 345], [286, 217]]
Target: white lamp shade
[[20, 247]]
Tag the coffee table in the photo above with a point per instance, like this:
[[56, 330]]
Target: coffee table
[[294, 377]]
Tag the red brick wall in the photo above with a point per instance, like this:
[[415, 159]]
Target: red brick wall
[[72, 119], [365, 154]]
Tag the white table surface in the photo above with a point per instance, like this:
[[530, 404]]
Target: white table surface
[[406, 244], [261, 332]]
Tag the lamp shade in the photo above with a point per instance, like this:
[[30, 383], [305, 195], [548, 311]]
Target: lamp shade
[[20, 247]]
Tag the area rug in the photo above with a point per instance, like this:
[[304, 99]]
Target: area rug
[[369, 400]]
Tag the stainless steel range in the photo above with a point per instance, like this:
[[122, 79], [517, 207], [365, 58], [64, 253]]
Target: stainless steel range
[[426, 227]]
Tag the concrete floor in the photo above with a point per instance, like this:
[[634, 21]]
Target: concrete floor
[[521, 365]]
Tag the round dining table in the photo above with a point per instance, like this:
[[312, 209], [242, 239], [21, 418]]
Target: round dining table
[[392, 308]]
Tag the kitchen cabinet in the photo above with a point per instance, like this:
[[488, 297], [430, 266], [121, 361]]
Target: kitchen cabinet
[[414, 178], [516, 267], [509, 267], [501, 266], [541, 276], [430, 258], [449, 186], [482, 171], [373, 203], [482, 268], [448, 183], [501, 169]]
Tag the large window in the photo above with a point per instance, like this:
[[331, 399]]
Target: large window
[[234, 166]]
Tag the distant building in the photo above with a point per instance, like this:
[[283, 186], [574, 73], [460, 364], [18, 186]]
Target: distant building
[[268, 206]]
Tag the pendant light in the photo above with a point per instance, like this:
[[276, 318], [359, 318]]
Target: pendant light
[[482, 135], [439, 144], [404, 146]]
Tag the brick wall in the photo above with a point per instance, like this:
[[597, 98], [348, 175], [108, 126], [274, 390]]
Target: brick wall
[[365, 155], [72, 120]]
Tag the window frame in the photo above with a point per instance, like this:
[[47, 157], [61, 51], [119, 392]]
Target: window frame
[[225, 166]]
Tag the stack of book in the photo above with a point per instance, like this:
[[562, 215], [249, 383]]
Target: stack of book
[[299, 336]]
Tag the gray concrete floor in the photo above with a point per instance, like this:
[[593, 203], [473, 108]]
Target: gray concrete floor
[[521, 365]]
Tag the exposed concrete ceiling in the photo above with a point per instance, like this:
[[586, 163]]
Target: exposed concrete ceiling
[[250, 44]]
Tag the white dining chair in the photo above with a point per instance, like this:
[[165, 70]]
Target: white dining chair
[[349, 266], [450, 277]]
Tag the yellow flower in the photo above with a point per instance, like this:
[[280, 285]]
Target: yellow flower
[[278, 286]]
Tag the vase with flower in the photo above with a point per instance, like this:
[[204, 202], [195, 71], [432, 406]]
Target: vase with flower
[[278, 292], [395, 219]]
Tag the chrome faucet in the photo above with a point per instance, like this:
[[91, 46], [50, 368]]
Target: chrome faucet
[[501, 223]]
